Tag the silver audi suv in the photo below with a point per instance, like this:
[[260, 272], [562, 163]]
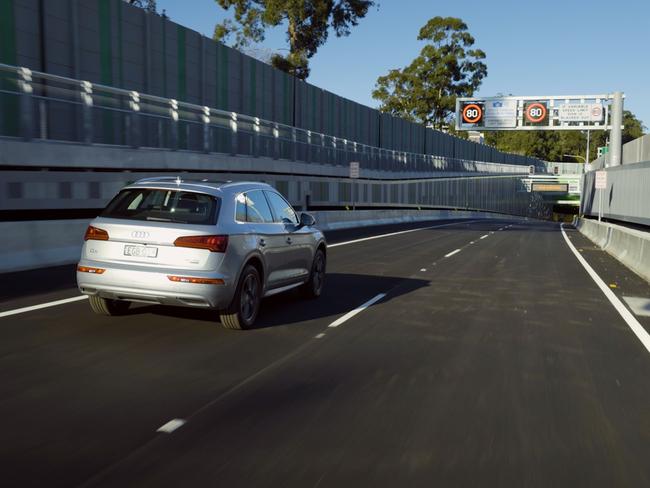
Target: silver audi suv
[[217, 245]]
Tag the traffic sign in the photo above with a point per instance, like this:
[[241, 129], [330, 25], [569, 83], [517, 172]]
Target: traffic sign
[[500, 113], [581, 112], [536, 113], [472, 113], [354, 169], [553, 112], [601, 180]]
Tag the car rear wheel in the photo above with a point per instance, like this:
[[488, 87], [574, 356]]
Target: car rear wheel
[[243, 310], [314, 287], [105, 306]]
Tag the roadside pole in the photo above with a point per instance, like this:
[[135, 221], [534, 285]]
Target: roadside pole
[[615, 136], [354, 175], [600, 185], [587, 155]]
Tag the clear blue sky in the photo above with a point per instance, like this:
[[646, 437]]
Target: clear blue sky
[[552, 47]]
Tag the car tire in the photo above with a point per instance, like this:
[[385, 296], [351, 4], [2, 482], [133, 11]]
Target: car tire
[[105, 306], [245, 305], [314, 286]]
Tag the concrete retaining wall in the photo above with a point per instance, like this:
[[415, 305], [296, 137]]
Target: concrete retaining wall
[[45, 243], [630, 246]]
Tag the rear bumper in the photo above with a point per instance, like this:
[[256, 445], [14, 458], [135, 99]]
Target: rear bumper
[[154, 286]]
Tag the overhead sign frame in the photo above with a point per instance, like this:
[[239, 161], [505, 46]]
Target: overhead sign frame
[[556, 112]]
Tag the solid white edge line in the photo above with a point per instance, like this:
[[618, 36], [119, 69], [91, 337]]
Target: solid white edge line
[[42, 305], [360, 308], [452, 253], [631, 321], [171, 426], [380, 236]]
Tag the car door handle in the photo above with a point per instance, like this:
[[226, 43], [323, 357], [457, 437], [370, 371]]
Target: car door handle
[[262, 242], [288, 240]]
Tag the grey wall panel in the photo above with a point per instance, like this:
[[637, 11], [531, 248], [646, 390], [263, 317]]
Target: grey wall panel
[[26, 15], [127, 47]]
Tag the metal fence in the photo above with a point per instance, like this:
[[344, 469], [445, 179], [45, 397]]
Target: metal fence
[[98, 114]]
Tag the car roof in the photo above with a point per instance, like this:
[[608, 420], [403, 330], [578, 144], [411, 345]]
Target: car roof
[[213, 187]]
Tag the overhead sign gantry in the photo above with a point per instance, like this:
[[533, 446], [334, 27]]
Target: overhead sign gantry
[[582, 112], [579, 112]]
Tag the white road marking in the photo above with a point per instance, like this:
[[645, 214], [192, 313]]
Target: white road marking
[[472, 242], [42, 305], [452, 253], [171, 426], [423, 269], [631, 321], [380, 236], [320, 336], [483, 237], [357, 310], [84, 297]]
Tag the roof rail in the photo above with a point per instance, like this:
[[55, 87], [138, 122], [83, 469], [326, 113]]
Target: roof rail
[[176, 179]]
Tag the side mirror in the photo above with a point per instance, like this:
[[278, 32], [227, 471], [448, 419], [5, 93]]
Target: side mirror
[[307, 219]]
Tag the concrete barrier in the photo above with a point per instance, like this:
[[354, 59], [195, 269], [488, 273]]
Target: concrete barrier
[[630, 246], [348, 219], [597, 233], [44, 243]]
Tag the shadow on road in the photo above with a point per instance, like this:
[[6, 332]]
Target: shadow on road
[[343, 293]]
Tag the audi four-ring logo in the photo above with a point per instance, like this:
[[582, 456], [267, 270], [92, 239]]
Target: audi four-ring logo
[[139, 234]]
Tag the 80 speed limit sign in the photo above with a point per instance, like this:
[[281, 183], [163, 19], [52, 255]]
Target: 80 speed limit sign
[[536, 113], [472, 113]]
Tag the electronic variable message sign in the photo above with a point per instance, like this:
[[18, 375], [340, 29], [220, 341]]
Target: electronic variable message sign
[[472, 114]]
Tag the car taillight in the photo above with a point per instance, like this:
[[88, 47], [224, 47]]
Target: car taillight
[[95, 234], [192, 279], [211, 243], [89, 269]]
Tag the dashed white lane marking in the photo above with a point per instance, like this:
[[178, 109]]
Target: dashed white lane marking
[[42, 305], [452, 253], [631, 321], [380, 236], [319, 336], [423, 269], [357, 310], [171, 426], [483, 237], [472, 242]]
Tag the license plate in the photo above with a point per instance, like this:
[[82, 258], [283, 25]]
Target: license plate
[[141, 251]]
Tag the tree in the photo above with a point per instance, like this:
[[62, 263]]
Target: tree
[[425, 91], [308, 25], [148, 5]]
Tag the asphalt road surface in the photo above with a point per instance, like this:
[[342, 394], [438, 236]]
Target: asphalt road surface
[[487, 357]]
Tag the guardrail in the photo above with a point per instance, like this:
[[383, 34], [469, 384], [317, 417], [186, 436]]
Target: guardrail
[[34, 104]]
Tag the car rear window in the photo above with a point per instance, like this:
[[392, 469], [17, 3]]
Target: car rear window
[[155, 205]]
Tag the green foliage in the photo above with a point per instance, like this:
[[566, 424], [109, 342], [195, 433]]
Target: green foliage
[[308, 24], [425, 91], [555, 145], [148, 5]]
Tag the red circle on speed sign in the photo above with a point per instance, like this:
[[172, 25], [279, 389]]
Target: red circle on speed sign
[[472, 113], [536, 112]]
